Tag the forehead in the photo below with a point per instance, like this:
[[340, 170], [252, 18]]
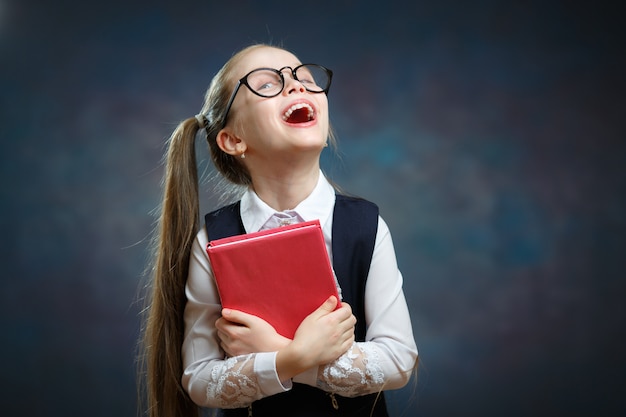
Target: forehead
[[265, 57]]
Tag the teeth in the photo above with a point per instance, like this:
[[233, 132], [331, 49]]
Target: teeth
[[297, 107]]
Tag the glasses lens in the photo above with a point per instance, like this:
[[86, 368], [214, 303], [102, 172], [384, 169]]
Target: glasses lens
[[265, 82], [313, 77]]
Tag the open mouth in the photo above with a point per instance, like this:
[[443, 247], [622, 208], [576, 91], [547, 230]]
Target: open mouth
[[299, 113]]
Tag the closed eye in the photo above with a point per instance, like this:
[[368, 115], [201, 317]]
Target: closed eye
[[309, 81], [267, 86]]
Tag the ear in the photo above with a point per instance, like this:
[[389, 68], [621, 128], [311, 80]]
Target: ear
[[230, 143]]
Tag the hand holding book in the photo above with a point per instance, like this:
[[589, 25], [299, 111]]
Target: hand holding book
[[321, 337], [280, 275], [241, 333]]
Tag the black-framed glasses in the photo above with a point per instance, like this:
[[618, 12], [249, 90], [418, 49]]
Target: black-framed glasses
[[270, 82]]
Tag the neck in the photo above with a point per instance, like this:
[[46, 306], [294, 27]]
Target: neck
[[284, 190]]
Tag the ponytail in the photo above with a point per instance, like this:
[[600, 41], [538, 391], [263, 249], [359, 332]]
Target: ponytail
[[161, 359], [164, 323]]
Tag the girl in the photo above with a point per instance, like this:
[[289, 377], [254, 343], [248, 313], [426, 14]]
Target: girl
[[266, 120]]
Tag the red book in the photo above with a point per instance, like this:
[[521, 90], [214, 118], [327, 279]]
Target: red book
[[281, 275]]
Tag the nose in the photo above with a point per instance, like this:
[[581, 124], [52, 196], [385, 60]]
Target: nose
[[291, 84]]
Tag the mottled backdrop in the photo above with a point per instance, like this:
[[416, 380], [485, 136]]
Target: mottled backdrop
[[491, 134]]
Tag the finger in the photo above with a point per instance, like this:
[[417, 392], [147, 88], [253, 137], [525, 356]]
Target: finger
[[226, 327], [346, 333], [238, 317], [347, 306], [342, 314], [327, 306], [223, 337], [347, 344], [225, 349], [349, 331], [346, 327], [221, 323]]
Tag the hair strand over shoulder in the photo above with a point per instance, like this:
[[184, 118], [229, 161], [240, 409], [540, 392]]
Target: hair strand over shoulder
[[171, 246]]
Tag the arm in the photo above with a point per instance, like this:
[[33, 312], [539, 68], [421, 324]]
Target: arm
[[388, 356], [212, 380]]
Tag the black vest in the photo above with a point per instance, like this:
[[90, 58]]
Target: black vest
[[355, 222]]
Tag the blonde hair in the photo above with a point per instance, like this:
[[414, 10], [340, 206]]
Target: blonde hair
[[177, 225]]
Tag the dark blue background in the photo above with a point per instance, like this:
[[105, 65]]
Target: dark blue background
[[491, 134]]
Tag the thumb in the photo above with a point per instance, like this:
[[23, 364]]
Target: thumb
[[237, 316], [328, 306]]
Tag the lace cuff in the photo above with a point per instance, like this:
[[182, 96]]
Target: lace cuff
[[232, 384], [356, 372]]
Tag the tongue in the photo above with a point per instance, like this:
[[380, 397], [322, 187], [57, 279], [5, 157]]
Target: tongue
[[299, 116]]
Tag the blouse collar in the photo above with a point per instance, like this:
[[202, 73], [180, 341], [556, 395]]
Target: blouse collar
[[317, 206]]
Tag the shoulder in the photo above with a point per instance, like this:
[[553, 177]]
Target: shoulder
[[224, 222], [356, 211], [356, 203], [355, 217], [225, 210]]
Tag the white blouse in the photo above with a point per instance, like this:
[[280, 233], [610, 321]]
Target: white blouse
[[384, 361]]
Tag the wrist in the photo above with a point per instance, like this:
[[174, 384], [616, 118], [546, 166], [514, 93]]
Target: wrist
[[292, 360]]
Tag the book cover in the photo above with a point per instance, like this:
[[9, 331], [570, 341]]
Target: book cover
[[281, 275]]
